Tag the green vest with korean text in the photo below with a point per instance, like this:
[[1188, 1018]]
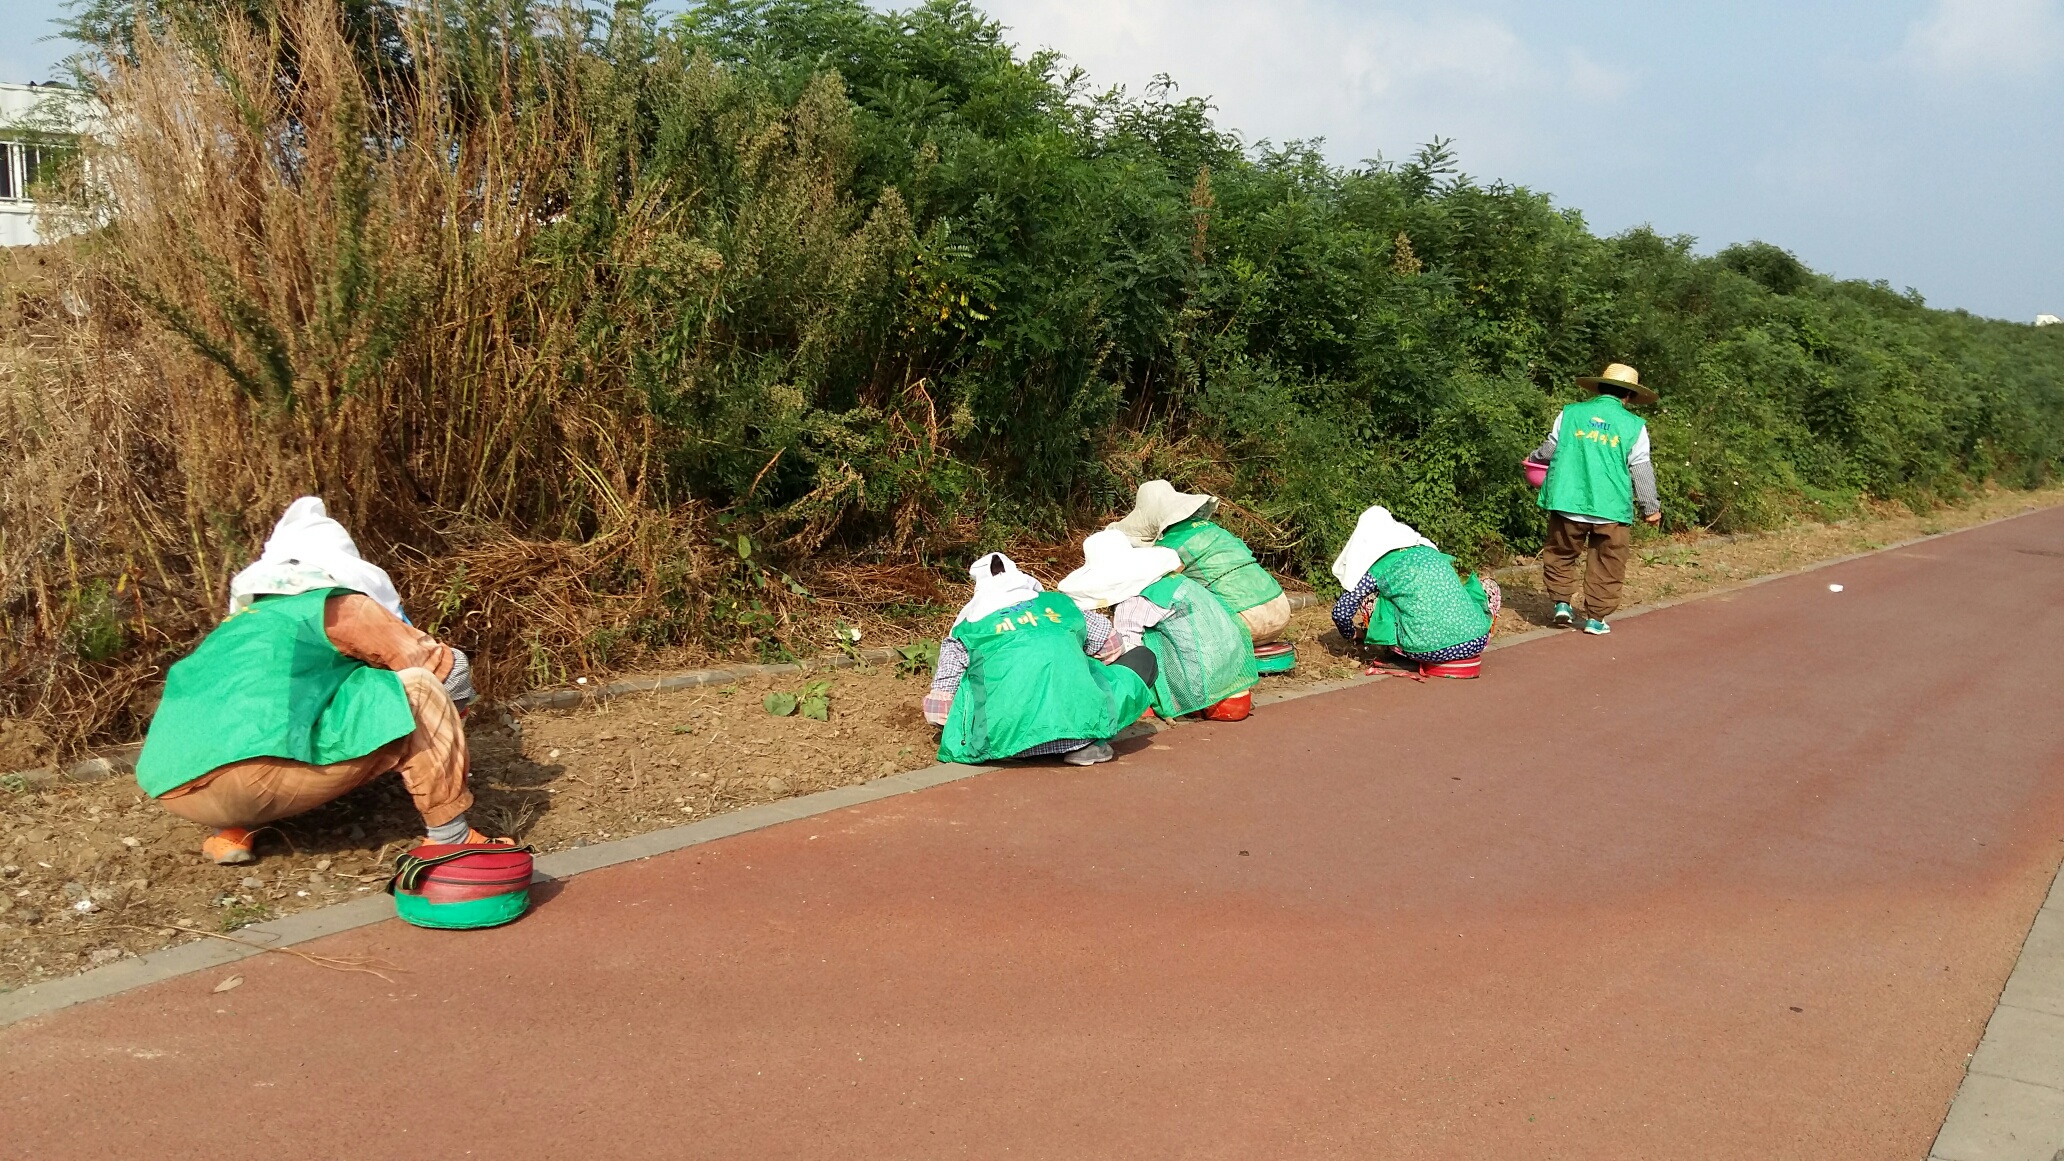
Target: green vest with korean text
[[1028, 682], [1589, 476], [1221, 562], [267, 683], [1422, 606], [1206, 654]]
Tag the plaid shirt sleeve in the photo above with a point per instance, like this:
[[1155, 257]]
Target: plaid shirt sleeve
[[1132, 617], [953, 662], [1104, 643]]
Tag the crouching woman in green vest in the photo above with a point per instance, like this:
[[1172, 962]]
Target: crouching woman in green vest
[[1020, 675], [1206, 658], [298, 699], [1211, 556], [1403, 592]]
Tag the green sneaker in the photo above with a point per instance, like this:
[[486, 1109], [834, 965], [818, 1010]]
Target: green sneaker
[[1596, 627], [1564, 615]]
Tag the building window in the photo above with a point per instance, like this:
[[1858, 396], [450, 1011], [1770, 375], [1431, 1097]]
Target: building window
[[27, 168]]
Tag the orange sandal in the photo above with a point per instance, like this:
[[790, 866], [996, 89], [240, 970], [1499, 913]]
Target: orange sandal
[[230, 847]]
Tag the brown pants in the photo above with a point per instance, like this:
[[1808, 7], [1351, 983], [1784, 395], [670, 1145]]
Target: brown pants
[[431, 761], [1607, 546]]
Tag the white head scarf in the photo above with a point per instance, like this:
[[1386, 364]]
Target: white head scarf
[[1157, 506], [308, 550], [997, 590], [1375, 534], [1113, 568]]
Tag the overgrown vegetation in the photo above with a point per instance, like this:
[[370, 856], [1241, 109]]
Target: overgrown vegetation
[[618, 336]]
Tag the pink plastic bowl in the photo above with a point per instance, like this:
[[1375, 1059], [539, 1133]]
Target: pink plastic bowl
[[1536, 474]]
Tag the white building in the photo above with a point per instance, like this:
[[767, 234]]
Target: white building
[[2047, 320], [40, 126]]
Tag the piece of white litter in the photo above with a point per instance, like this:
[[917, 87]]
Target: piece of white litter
[[1834, 588]]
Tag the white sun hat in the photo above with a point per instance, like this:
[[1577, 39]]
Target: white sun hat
[[1113, 568], [1157, 506]]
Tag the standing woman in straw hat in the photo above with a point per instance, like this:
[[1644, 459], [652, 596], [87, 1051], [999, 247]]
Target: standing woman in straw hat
[[1211, 556], [1598, 474], [1019, 676], [1206, 658]]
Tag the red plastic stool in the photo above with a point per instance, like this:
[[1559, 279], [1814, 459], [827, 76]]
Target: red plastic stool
[[1461, 670]]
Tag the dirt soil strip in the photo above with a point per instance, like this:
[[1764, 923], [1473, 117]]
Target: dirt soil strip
[[93, 874], [1762, 909], [1333, 671]]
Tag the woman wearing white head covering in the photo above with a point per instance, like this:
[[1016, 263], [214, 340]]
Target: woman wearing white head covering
[[1018, 677], [1403, 592], [309, 550], [1206, 657], [1211, 556], [313, 686]]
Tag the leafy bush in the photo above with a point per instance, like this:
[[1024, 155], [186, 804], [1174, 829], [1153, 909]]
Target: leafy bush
[[615, 335]]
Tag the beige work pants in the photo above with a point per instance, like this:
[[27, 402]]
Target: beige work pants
[[431, 761], [1266, 622]]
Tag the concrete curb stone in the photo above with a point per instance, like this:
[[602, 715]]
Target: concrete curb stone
[[2011, 1103]]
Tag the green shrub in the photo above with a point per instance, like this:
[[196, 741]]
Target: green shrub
[[611, 331]]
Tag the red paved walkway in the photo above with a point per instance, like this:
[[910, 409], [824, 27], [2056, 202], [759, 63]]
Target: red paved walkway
[[1742, 880]]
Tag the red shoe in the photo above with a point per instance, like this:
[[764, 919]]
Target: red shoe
[[229, 847]]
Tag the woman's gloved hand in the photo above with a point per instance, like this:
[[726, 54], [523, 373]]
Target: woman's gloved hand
[[460, 684]]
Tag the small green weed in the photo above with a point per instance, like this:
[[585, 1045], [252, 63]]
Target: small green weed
[[847, 639], [448, 600], [239, 914], [94, 628], [917, 660], [813, 702]]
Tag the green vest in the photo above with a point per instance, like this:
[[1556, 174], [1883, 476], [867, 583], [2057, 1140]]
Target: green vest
[[1028, 682], [1206, 653], [267, 683], [1589, 476], [1221, 562], [1421, 607]]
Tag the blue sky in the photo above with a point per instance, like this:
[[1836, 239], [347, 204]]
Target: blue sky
[[1917, 141]]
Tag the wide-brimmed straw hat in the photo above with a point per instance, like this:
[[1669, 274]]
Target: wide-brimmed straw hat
[[1620, 377], [1159, 506], [1114, 568]]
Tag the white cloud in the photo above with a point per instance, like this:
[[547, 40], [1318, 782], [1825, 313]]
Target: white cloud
[[1366, 77], [1972, 38]]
